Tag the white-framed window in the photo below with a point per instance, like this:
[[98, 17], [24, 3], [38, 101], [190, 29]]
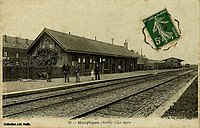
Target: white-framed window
[[79, 60], [83, 60], [5, 54], [73, 63], [17, 55], [90, 60]]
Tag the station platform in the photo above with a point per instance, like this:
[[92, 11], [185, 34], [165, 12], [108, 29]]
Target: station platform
[[25, 85]]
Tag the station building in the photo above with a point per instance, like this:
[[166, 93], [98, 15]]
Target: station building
[[71, 48]]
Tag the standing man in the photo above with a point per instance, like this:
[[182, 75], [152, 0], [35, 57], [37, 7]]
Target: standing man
[[66, 71], [49, 71], [76, 71], [97, 70]]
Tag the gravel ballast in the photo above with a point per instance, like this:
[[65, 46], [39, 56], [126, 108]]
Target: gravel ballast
[[187, 105]]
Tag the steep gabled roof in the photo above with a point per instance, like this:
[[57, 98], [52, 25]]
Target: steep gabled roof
[[173, 58], [10, 42], [73, 43]]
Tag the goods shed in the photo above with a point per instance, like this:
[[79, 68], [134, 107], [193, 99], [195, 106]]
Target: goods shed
[[173, 62]]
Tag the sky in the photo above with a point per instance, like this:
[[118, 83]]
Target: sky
[[121, 20]]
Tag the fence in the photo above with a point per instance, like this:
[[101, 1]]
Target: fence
[[18, 72]]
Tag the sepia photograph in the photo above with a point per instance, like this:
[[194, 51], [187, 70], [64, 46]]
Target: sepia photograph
[[92, 63]]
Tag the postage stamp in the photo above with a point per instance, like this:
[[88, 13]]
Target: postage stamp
[[161, 28]]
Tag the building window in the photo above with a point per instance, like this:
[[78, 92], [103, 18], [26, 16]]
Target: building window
[[74, 59], [5, 54], [79, 60], [47, 42], [17, 55], [87, 63], [83, 60], [90, 60], [121, 63], [73, 63]]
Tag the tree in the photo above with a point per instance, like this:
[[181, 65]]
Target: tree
[[46, 56]]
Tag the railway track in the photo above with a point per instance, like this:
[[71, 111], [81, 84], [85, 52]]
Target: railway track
[[138, 104], [21, 104]]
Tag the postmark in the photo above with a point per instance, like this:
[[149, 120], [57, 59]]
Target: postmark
[[161, 29]]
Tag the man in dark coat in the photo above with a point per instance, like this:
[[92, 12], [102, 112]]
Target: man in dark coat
[[76, 71], [66, 71], [97, 70], [49, 72]]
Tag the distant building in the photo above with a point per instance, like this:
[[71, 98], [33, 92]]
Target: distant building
[[87, 52], [173, 62], [155, 64], [14, 49], [142, 62]]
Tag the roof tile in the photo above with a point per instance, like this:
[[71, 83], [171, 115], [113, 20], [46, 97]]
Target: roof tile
[[12, 43], [75, 43]]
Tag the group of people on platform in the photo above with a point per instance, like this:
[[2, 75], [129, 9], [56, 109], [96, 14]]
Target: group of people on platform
[[66, 71], [95, 73]]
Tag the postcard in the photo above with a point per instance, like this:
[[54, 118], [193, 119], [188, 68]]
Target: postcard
[[92, 63]]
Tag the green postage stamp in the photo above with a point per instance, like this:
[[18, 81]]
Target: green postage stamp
[[161, 28]]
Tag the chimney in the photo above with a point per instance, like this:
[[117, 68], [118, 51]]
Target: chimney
[[95, 38], [26, 41], [4, 38], [126, 45], [16, 40], [69, 33], [112, 40]]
